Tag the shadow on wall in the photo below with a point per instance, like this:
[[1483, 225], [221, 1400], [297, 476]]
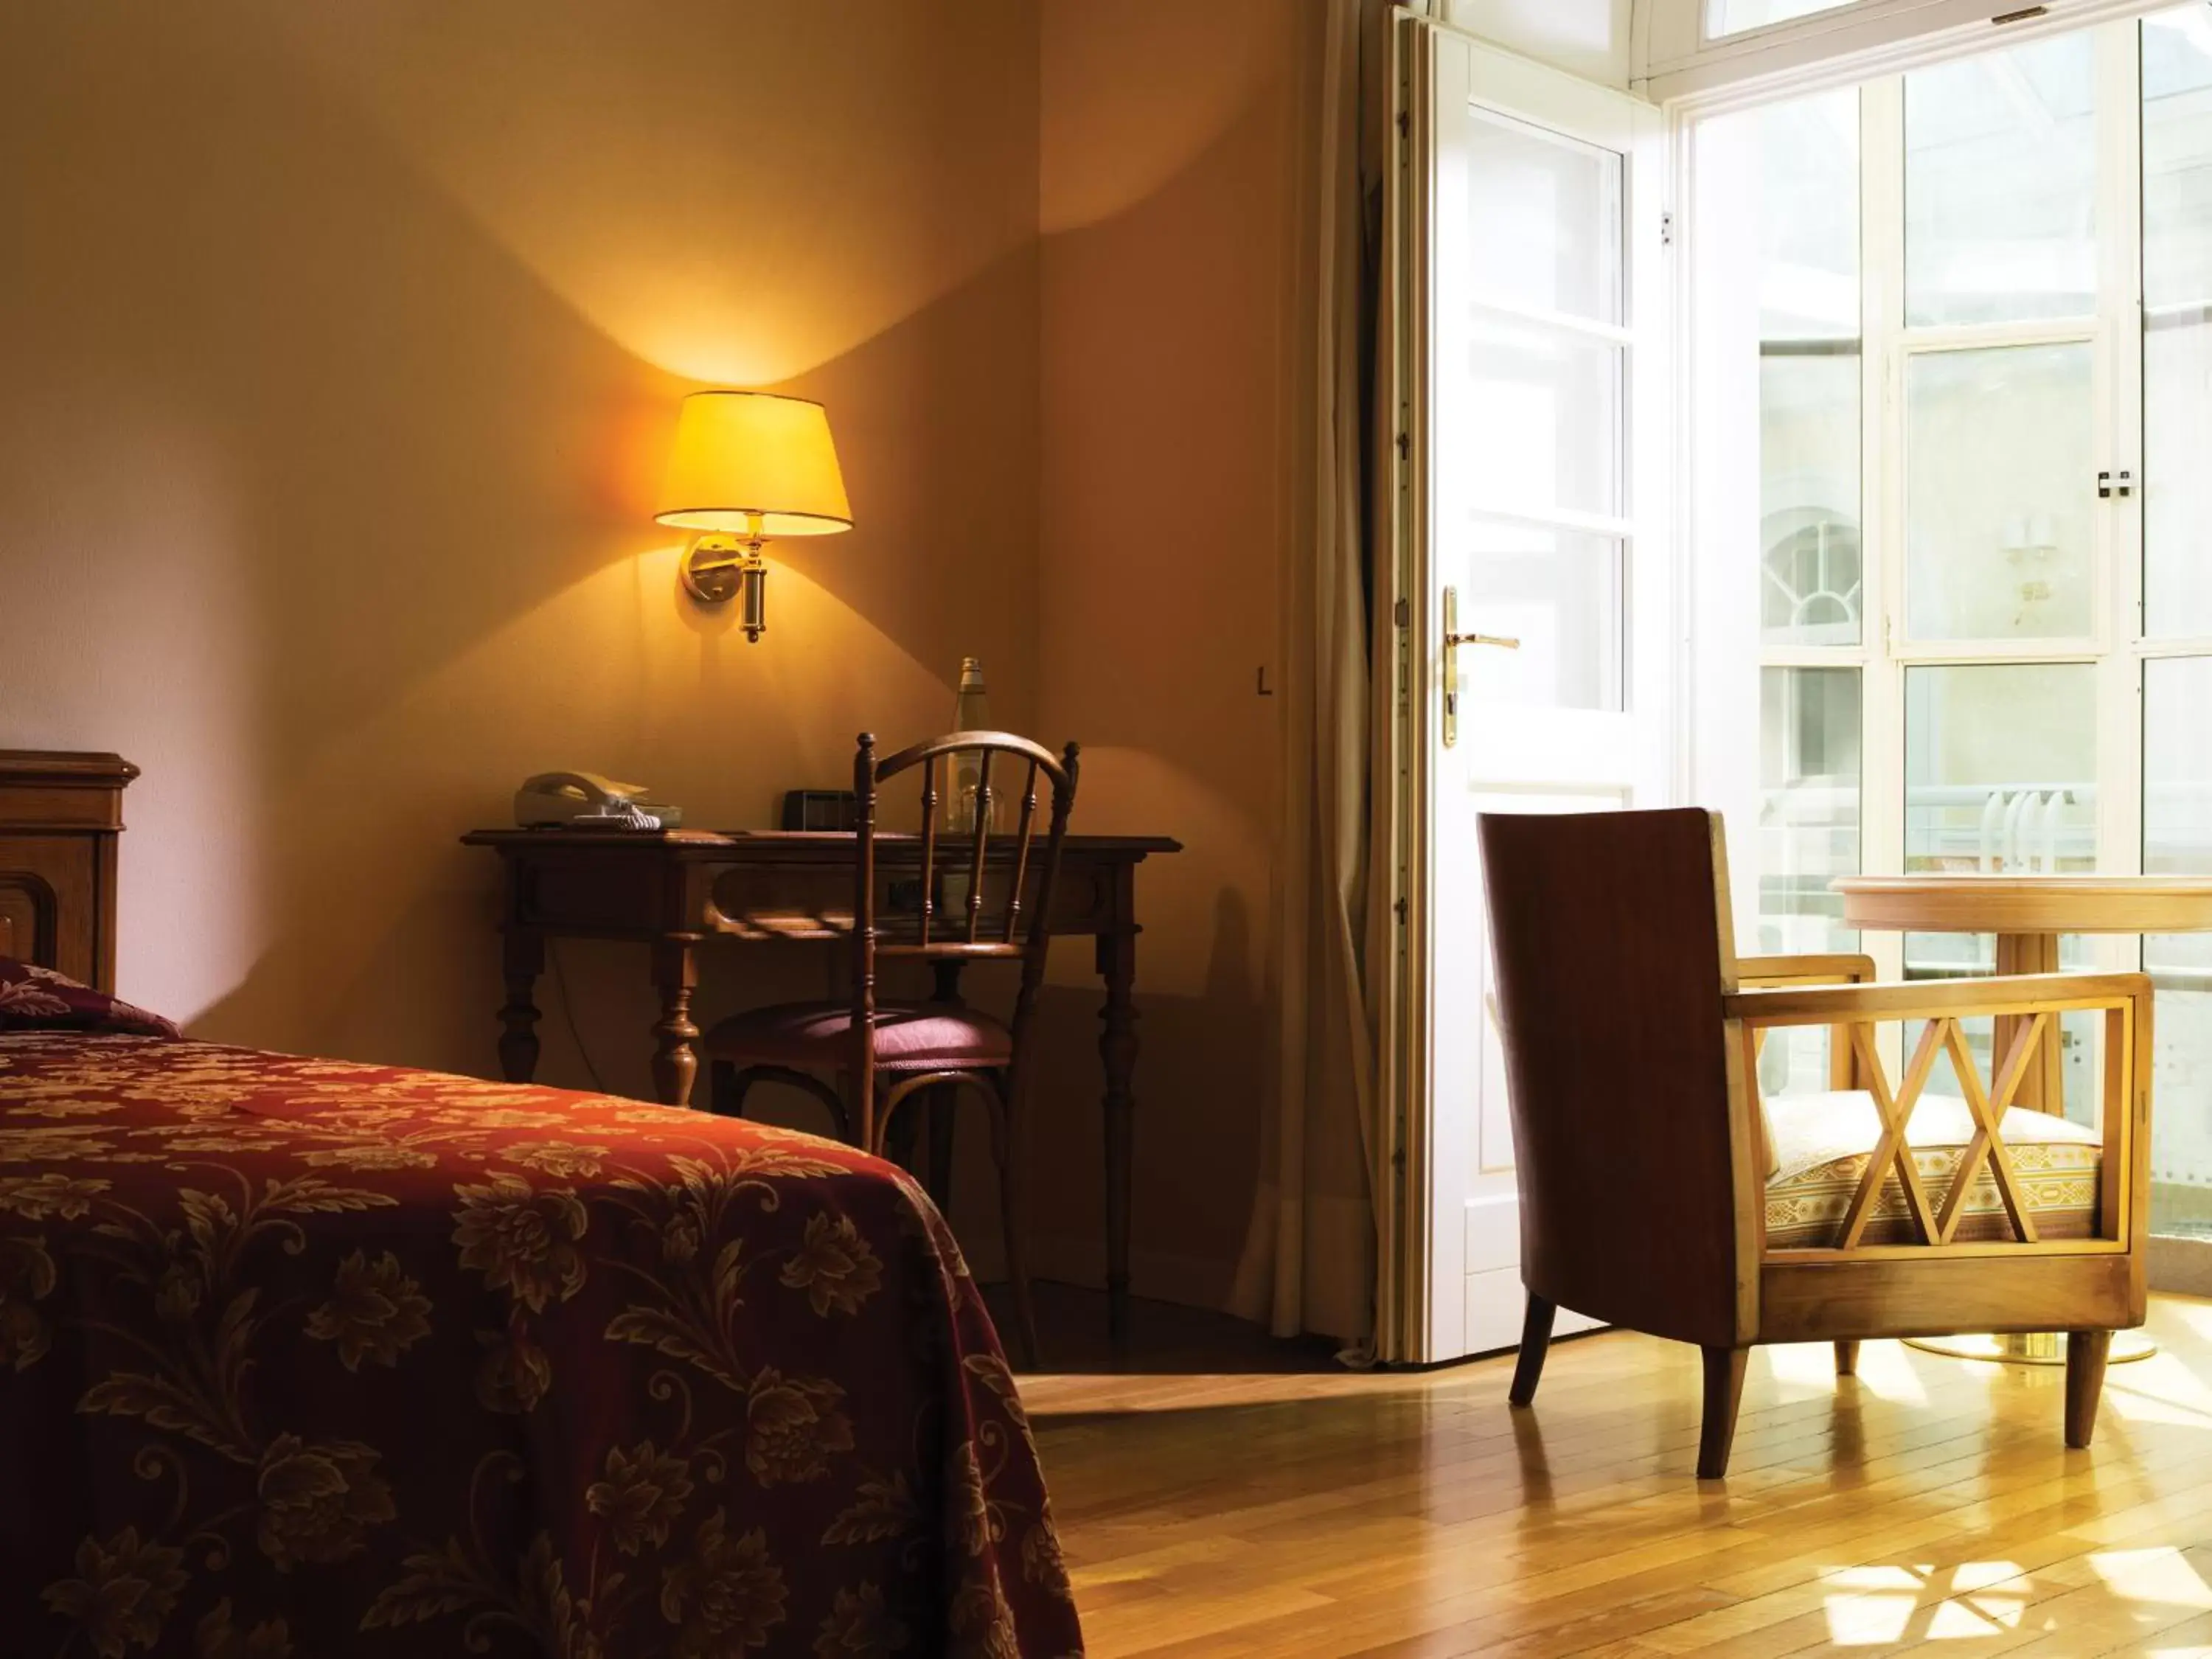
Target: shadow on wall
[[391, 490], [1197, 1050]]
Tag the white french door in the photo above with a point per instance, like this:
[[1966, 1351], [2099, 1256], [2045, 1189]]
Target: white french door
[[1543, 662]]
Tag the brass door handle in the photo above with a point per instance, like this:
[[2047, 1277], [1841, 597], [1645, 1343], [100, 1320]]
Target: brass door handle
[[1452, 640]]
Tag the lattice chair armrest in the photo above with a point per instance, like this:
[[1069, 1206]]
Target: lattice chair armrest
[[1954, 998]]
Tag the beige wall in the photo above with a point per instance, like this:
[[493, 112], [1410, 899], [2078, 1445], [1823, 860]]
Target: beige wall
[[341, 349], [341, 346], [1172, 146]]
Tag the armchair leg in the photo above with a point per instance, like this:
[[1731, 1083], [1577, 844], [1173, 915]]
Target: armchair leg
[[2085, 1383], [1725, 1369], [1847, 1356], [1535, 1342]]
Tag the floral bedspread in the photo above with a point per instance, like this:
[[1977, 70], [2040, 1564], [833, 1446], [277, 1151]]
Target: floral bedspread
[[305, 1357]]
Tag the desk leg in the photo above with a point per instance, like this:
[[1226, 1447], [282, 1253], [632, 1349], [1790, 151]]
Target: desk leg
[[675, 1062], [524, 954], [1117, 1047]]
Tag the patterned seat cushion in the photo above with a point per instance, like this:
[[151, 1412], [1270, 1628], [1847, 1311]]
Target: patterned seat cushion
[[818, 1035], [1822, 1142]]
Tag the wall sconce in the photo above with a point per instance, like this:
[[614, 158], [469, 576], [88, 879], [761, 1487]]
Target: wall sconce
[[749, 465]]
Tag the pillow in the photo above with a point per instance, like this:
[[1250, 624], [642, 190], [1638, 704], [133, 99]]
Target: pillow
[[34, 999]]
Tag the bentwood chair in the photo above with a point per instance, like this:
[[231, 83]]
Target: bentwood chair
[[1659, 1192], [980, 897]]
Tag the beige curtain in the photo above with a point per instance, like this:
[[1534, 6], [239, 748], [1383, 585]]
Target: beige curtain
[[1313, 1256]]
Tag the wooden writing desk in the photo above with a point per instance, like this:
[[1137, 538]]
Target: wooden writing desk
[[677, 889]]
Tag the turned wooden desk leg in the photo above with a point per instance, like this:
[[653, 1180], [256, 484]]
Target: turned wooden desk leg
[[2042, 1086], [1117, 1046], [675, 1062], [524, 955]]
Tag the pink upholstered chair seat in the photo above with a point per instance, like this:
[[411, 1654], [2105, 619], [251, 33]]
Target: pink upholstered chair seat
[[818, 1035]]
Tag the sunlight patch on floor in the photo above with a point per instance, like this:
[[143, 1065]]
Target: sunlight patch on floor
[[1870, 1605], [2163, 1575], [2159, 1389]]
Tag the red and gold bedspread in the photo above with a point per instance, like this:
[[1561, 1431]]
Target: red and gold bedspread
[[305, 1357]]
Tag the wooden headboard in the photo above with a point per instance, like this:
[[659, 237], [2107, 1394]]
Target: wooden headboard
[[60, 814]]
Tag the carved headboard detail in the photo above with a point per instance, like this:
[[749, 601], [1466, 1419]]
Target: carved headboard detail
[[60, 814]]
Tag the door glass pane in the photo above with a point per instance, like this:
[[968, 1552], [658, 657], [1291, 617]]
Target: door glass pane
[[1809, 834], [2177, 254], [1558, 592], [2178, 841], [1563, 202], [2000, 184], [1545, 418], [2000, 775], [2000, 494], [1727, 17]]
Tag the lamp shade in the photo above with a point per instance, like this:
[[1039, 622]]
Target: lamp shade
[[748, 458]]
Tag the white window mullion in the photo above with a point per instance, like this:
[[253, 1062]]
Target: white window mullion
[[2119, 824], [1881, 311]]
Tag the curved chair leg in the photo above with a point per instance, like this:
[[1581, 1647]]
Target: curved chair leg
[[2085, 1383], [1725, 1369], [1535, 1342], [1847, 1356], [937, 1108], [1006, 1144]]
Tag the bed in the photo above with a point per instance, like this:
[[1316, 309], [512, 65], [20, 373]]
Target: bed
[[302, 1357]]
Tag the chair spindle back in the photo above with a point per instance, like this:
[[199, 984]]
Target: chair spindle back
[[976, 862]]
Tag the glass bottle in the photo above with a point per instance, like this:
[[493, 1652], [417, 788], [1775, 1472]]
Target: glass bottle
[[971, 713]]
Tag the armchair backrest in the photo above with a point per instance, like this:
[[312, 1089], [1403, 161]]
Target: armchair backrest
[[1612, 945]]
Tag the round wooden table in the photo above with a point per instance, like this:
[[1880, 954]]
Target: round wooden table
[[2028, 915]]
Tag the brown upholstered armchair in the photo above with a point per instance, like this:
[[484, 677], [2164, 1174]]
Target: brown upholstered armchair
[[1660, 1193]]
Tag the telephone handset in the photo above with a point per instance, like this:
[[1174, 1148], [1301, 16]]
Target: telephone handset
[[586, 801]]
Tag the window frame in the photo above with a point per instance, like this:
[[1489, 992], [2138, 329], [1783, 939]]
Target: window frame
[[1674, 62], [2120, 648]]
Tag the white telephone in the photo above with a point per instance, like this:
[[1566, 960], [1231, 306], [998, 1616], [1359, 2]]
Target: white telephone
[[585, 800]]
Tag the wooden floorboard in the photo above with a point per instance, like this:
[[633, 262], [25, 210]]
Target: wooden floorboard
[[1928, 1504]]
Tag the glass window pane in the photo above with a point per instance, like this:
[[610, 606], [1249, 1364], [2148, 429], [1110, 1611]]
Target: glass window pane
[[2000, 184], [2177, 255], [2178, 841], [2000, 768], [2000, 494], [2177, 484], [1727, 17], [1999, 774], [1808, 835], [1546, 418], [1809, 216], [2177, 157], [1558, 592], [1809, 483], [1808, 163], [1563, 200]]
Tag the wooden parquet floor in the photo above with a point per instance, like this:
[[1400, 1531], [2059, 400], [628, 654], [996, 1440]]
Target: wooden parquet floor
[[1928, 1503]]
